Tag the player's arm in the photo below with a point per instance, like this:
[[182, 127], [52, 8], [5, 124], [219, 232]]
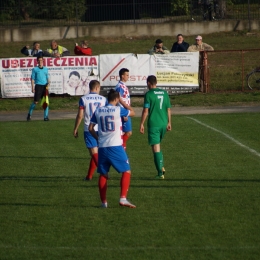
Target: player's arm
[[78, 121], [143, 118], [169, 125], [123, 103], [32, 84], [92, 130], [132, 112]]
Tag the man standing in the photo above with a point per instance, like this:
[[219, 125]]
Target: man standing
[[39, 82], [158, 109], [180, 45], [83, 49], [124, 101], [200, 46], [110, 149], [87, 106]]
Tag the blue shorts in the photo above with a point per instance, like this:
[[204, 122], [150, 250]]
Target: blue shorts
[[90, 141], [112, 156], [127, 125]]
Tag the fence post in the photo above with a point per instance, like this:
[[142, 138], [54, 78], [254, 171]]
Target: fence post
[[204, 72]]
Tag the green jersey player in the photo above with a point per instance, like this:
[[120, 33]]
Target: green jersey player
[[158, 109]]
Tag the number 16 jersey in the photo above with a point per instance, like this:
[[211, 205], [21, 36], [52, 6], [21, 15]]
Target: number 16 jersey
[[109, 123]]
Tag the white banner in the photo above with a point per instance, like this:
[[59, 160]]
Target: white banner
[[72, 74], [67, 75]]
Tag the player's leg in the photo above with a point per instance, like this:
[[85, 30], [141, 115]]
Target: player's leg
[[92, 146], [127, 130], [103, 169], [119, 161], [155, 135], [37, 97]]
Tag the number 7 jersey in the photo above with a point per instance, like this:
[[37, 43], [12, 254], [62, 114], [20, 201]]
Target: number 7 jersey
[[157, 101], [109, 123]]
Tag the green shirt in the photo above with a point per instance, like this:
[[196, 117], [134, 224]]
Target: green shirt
[[158, 102]]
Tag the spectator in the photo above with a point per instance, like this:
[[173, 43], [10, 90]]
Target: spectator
[[200, 46], [180, 45], [83, 49], [34, 52], [56, 50], [158, 48]]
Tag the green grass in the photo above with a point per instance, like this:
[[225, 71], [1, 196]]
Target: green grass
[[206, 208]]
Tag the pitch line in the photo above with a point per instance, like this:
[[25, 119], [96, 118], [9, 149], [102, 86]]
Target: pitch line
[[227, 136]]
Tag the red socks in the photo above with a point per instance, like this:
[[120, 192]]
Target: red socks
[[102, 184], [125, 182], [125, 138], [92, 166]]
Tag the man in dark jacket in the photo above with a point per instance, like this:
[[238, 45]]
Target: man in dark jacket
[[180, 45]]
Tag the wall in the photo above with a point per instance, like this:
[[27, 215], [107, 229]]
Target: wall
[[115, 30]]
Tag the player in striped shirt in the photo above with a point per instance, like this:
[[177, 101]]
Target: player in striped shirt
[[110, 149]]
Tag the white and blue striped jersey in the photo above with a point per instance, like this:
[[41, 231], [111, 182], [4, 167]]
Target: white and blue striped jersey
[[90, 103], [109, 123]]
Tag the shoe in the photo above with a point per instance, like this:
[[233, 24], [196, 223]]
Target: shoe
[[28, 117], [163, 170], [126, 203], [157, 177], [87, 179], [104, 205], [46, 119]]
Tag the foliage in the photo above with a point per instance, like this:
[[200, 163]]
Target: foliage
[[59, 9], [180, 7]]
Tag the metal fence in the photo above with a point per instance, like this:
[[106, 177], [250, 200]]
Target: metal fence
[[227, 70], [82, 12]]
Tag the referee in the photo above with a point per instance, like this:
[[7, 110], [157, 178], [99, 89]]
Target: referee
[[40, 82]]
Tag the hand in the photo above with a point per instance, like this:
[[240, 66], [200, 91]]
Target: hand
[[33, 90], [76, 44], [47, 86], [27, 46], [125, 118], [75, 133], [169, 127], [142, 129]]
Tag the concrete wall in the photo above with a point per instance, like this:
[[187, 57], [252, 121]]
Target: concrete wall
[[115, 30]]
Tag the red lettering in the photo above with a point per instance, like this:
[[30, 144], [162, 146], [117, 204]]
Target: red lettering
[[64, 62], [29, 63], [112, 77], [49, 62], [93, 61], [5, 64], [71, 61], [79, 62], [86, 61], [56, 62], [22, 63]]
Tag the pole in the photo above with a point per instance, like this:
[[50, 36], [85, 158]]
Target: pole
[[134, 10]]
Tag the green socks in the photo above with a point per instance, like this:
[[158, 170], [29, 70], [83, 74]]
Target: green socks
[[158, 161]]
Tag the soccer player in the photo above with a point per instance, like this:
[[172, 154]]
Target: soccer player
[[110, 149], [158, 109], [124, 101], [39, 82], [87, 106]]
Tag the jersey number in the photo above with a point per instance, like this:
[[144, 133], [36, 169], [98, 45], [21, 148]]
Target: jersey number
[[92, 107], [161, 101], [107, 123]]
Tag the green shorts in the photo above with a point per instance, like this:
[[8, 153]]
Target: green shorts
[[156, 134]]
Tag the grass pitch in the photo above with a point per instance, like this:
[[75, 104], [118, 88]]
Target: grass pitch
[[206, 208]]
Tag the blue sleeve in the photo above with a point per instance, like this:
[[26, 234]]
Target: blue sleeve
[[124, 112], [93, 119], [33, 74], [81, 103], [120, 90]]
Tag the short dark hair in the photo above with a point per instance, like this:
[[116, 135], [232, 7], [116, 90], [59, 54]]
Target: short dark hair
[[39, 56], [158, 41], [122, 72], [75, 73], [112, 95], [151, 79], [179, 35], [93, 83]]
